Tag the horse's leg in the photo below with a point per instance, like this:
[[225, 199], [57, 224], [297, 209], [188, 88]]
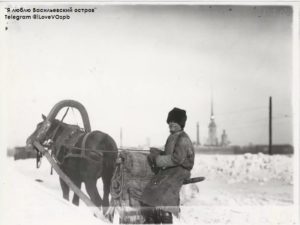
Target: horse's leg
[[75, 200], [106, 179], [65, 189], [91, 188]]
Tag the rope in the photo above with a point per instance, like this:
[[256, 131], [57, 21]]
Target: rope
[[85, 137], [102, 150], [129, 214], [54, 134], [59, 124], [89, 149], [120, 191], [116, 192], [75, 116], [117, 183], [62, 119]]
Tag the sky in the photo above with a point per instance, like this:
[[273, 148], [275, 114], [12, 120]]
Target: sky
[[129, 65]]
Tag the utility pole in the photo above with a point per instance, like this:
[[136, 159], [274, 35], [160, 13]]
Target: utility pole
[[198, 135], [121, 138], [270, 125]]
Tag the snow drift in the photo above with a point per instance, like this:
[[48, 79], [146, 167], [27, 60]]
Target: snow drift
[[246, 168], [239, 189]]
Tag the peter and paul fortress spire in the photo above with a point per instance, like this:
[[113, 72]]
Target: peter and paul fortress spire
[[212, 128]]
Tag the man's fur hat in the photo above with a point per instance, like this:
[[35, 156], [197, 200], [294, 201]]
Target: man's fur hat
[[178, 116]]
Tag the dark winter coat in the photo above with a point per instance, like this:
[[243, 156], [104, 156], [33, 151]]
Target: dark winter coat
[[175, 165]]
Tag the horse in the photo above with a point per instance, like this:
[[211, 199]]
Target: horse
[[83, 156]]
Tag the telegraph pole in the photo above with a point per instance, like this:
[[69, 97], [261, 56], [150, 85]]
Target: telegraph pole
[[121, 138], [198, 135], [270, 125]]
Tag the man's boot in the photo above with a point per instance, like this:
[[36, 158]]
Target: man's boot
[[149, 215], [166, 217]]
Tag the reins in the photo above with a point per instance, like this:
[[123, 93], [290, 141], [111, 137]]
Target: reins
[[59, 124], [54, 134], [102, 150], [82, 149]]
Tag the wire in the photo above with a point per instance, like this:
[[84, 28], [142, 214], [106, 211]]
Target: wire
[[283, 116], [258, 122], [74, 115], [242, 110]]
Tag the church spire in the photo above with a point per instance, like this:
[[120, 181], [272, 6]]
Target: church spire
[[212, 106], [212, 127]]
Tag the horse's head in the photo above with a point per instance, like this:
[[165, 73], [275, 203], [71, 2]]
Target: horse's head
[[45, 129], [42, 132]]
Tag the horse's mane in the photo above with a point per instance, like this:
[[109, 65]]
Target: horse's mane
[[64, 131], [66, 125]]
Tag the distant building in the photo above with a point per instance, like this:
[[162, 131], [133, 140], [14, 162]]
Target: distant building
[[224, 139], [24, 153], [212, 139]]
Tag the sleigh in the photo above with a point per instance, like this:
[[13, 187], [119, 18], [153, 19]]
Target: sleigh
[[130, 173], [131, 176]]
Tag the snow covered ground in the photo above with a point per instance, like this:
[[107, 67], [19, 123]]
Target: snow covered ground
[[240, 189]]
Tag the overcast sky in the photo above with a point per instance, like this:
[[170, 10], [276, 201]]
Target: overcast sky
[[130, 65]]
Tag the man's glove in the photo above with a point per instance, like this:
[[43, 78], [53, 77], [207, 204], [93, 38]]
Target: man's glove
[[154, 152], [152, 164]]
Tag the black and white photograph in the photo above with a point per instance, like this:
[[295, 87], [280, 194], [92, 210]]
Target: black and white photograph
[[149, 113]]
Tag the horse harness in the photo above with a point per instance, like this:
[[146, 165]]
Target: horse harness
[[66, 147]]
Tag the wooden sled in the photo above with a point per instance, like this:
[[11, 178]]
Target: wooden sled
[[131, 176]]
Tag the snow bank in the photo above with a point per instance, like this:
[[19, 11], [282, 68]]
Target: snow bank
[[231, 193], [25, 201], [252, 189], [245, 168]]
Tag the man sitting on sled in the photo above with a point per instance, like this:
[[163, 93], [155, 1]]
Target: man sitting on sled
[[172, 166]]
